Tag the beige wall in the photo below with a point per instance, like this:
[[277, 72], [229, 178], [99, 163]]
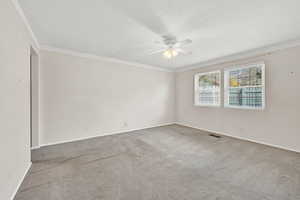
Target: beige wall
[[277, 125], [14, 102], [35, 99], [83, 97], [86, 97]]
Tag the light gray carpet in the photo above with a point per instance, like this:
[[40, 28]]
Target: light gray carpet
[[164, 163]]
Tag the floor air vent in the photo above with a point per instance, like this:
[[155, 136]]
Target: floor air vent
[[214, 135]]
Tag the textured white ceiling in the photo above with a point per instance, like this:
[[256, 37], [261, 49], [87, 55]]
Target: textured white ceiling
[[128, 29]]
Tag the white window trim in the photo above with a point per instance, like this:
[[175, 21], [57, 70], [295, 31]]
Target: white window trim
[[226, 96], [196, 88]]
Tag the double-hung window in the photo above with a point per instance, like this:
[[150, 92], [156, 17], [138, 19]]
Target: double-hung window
[[244, 87], [207, 89]]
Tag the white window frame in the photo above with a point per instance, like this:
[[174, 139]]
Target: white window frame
[[196, 89], [226, 86]]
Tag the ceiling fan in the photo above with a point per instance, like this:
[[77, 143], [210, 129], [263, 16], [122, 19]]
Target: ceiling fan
[[173, 47]]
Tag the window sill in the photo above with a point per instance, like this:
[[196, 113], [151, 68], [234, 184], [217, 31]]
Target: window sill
[[209, 106], [245, 107]]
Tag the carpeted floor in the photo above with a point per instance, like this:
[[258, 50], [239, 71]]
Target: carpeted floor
[[164, 163]]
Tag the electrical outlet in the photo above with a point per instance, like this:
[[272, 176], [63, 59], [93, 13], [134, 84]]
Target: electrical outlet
[[125, 124], [292, 73]]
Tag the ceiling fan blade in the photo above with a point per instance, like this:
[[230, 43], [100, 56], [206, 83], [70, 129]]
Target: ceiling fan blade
[[186, 53], [158, 42], [156, 52], [181, 51], [185, 42]]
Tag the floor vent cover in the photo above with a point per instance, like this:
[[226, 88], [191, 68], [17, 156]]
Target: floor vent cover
[[214, 135]]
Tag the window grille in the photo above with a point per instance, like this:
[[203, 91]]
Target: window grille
[[244, 87], [207, 89]]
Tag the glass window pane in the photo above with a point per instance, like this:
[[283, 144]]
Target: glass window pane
[[244, 87], [207, 90], [248, 96]]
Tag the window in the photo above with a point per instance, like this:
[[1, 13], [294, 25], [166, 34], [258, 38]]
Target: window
[[244, 87], [207, 89]]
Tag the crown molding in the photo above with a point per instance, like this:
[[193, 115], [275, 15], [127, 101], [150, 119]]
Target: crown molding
[[26, 22], [243, 55], [102, 58], [220, 60]]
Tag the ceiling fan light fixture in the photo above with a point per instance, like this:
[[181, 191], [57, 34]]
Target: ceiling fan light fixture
[[170, 53]]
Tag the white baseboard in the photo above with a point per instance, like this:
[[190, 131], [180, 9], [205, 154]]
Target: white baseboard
[[105, 134], [238, 137], [21, 181], [33, 148]]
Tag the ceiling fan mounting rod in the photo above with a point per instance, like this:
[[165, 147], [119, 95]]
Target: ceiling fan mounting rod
[[170, 41]]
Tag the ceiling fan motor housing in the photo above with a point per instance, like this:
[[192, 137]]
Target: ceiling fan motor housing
[[169, 40]]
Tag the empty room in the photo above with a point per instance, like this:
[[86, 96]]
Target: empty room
[[150, 100]]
